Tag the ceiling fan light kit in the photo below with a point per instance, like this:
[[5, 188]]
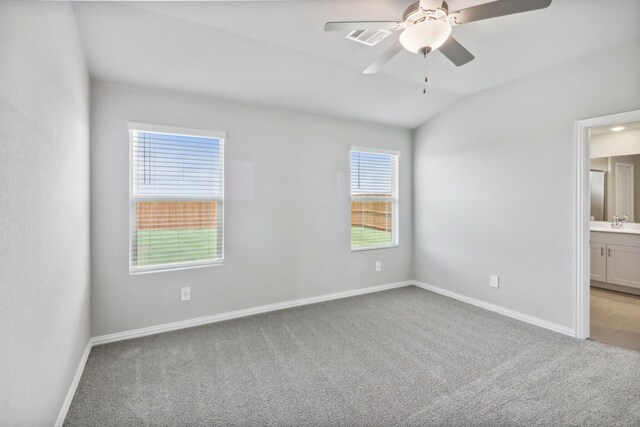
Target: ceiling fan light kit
[[426, 26], [431, 34]]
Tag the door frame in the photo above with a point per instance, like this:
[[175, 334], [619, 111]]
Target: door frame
[[582, 207]]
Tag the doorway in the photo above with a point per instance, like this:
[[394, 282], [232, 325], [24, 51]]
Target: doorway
[[607, 229]]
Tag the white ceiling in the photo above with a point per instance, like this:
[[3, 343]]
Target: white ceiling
[[276, 54]]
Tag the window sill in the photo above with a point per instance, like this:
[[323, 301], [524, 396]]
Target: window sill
[[373, 248], [175, 267]]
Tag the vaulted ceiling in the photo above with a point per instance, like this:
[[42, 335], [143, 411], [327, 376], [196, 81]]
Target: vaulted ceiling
[[276, 54]]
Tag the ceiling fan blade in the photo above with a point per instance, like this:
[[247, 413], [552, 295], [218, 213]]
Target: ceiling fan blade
[[384, 58], [359, 25], [455, 52], [430, 4], [498, 8]]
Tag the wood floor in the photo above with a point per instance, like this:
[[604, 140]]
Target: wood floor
[[615, 318]]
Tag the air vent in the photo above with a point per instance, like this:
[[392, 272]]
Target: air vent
[[368, 37]]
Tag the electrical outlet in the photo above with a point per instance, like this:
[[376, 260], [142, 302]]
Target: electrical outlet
[[378, 266], [185, 293], [494, 281]]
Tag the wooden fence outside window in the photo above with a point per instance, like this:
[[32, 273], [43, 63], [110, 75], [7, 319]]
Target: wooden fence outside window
[[176, 215], [376, 215]]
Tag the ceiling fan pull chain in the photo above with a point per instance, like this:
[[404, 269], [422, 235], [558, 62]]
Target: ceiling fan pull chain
[[426, 78]]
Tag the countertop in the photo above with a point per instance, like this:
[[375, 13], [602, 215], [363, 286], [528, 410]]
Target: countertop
[[625, 230]]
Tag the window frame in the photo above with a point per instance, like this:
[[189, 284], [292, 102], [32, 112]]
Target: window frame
[[395, 197], [133, 199]]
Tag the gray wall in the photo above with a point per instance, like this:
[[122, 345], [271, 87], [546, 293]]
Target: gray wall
[[494, 183], [44, 214], [287, 214]]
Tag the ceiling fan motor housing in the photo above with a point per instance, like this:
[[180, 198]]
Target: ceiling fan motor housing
[[414, 14], [425, 30]]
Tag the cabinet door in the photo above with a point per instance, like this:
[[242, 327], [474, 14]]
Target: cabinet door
[[623, 265], [598, 267]]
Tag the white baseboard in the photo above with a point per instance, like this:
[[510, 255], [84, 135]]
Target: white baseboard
[[119, 336], [74, 385], [497, 309]]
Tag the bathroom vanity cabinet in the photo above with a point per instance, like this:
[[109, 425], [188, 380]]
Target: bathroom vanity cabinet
[[615, 260]]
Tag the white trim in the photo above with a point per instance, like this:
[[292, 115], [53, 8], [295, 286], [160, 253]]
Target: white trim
[[581, 238], [175, 266], [184, 324], [581, 188], [173, 130], [174, 326], [375, 150], [373, 248], [74, 385], [497, 309]]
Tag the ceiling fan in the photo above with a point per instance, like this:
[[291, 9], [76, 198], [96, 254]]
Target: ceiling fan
[[426, 27]]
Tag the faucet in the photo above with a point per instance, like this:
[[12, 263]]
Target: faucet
[[619, 221]]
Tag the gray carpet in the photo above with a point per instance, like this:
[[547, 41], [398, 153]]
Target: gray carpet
[[404, 357]]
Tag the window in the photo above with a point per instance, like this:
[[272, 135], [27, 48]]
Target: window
[[374, 199], [177, 198]]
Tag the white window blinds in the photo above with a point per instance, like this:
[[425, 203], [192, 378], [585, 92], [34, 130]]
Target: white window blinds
[[374, 199], [177, 198]]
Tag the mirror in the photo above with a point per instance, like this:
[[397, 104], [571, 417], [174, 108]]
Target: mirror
[[615, 172]]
